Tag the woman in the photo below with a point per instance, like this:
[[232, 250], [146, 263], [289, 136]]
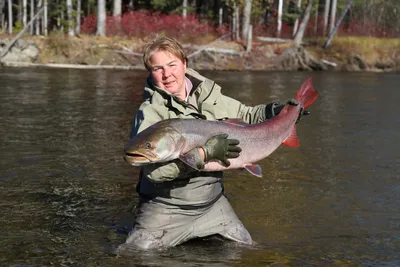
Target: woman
[[178, 203]]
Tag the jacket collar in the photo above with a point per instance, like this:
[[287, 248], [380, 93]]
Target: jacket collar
[[159, 96]]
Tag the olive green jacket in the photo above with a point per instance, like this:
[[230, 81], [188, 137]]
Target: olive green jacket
[[174, 182]]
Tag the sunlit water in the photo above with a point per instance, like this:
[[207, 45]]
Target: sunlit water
[[67, 195]]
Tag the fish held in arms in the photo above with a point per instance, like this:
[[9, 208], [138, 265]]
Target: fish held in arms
[[172, 138]]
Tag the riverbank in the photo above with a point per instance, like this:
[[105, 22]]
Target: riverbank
[[84, 51]]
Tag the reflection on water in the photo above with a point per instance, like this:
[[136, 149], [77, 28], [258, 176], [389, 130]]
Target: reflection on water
[[67, 195]]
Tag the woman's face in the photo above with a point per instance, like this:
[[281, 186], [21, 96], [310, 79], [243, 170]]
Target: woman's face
[[168, 73]]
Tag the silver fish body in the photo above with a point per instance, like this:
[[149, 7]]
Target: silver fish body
[[172, 138]]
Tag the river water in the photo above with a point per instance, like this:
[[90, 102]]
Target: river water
[[67, 195]]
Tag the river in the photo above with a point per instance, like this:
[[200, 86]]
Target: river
[[67, 195]]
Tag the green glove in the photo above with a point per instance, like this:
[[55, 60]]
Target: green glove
[[275, 108], [220, 148]]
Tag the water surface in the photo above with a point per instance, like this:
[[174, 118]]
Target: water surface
[[67, 195]]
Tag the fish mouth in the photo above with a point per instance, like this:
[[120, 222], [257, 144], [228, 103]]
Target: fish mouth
[[138, 159]]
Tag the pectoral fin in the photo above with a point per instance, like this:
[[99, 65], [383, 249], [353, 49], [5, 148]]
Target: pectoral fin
[[254, 169]]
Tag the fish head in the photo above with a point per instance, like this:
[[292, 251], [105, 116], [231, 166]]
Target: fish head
[[155, 144]]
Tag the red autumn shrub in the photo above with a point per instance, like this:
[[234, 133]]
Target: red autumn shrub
[[142, 23]]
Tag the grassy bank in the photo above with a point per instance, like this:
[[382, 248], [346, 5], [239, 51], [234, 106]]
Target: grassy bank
[[372, 53]]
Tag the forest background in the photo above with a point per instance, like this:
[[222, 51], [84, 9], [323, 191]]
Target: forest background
[[355, 35]]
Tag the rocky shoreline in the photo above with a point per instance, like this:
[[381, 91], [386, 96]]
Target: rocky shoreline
[[104, 55]]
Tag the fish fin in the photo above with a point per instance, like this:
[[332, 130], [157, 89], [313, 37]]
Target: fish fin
[[254, 169], [292, 139], [191, 159], [237, 122], [306, 93]]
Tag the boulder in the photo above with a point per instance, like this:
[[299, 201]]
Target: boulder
[[21, 51]]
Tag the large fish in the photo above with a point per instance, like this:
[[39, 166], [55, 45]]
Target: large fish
[[173, 138]]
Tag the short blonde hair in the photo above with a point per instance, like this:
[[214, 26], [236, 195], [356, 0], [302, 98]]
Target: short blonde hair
[[163, 43]]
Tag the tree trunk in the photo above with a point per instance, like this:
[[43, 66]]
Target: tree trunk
[[333, 15], [300, 33], [101, 17], [249, 39], [184, 8], [2, 14], [61, 20], [326, 16], [280, 7], [131, 6], [10, 17], [237, 16], [78, 16], [117, 8], [39, 6], [117, 15], [296, 23], [24, 13], [221, 12], [246, 19], [45, 19], [71, 31]]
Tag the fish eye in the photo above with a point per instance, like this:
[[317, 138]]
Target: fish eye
[[148, 145]]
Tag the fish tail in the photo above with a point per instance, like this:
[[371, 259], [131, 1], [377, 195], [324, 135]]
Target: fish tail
[[305, 96], [306, 93]]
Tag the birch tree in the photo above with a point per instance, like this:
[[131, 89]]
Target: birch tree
[[300, 33], [235, 22], [78, 16], [184, 8], [24, 13], [280, 8], [32, 9], [2, 14], [326, 16], [296, 23], [37, 23], [246, 19], [117, 8], [45, 17], [10, 17], [101, 17], [71, 31], [333, 15]]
